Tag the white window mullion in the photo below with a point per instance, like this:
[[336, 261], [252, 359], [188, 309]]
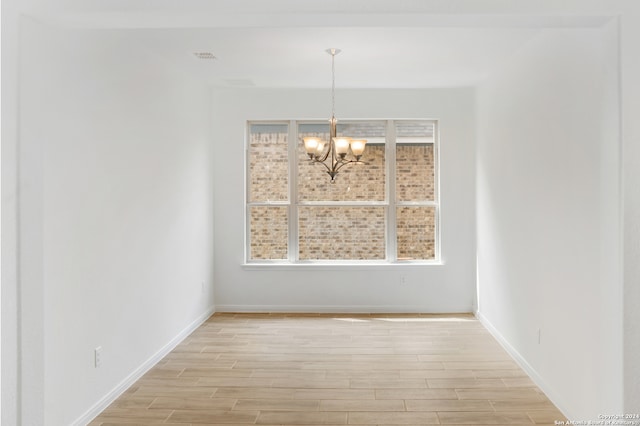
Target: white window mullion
[[436, 187], [293, 192], [390, 154], [247, 207]]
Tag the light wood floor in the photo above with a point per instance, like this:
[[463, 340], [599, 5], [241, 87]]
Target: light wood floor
[[334, 370]]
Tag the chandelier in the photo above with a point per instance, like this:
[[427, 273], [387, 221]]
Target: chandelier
[[336, 156]]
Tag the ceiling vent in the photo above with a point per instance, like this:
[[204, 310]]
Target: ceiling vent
[[205, 55]]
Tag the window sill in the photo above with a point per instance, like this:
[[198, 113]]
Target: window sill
[[339, 266]]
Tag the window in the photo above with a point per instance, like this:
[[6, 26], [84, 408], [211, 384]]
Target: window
[[386, 210]]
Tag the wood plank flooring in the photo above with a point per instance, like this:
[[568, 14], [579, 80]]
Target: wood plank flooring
[[276, 369]]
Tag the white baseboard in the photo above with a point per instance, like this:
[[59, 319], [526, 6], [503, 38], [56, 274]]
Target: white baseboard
[[524, 364], [333, 309], [103, 403]]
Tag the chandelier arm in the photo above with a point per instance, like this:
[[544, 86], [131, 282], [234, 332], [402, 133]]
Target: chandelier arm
[[326, 154], [334, 157], [331, 150], [342, 164], [333, 132], [329, 169]]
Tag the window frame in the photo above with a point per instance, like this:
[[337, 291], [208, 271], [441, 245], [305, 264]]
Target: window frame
[[390, 202]]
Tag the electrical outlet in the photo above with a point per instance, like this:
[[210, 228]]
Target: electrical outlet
[[403, 279], [97, 356], [202, 287], [539, 336]]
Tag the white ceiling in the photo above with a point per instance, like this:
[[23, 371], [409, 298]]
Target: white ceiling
[[371, 57], [282, 43]]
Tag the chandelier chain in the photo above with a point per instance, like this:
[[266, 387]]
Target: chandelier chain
[[333, 84]]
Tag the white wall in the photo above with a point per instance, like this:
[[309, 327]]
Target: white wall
[[446, 288], [9, 290], [549, 216], [630, 92], [118, 242]]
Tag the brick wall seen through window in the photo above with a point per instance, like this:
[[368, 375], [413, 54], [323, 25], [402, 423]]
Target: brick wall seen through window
[[384, 210]]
